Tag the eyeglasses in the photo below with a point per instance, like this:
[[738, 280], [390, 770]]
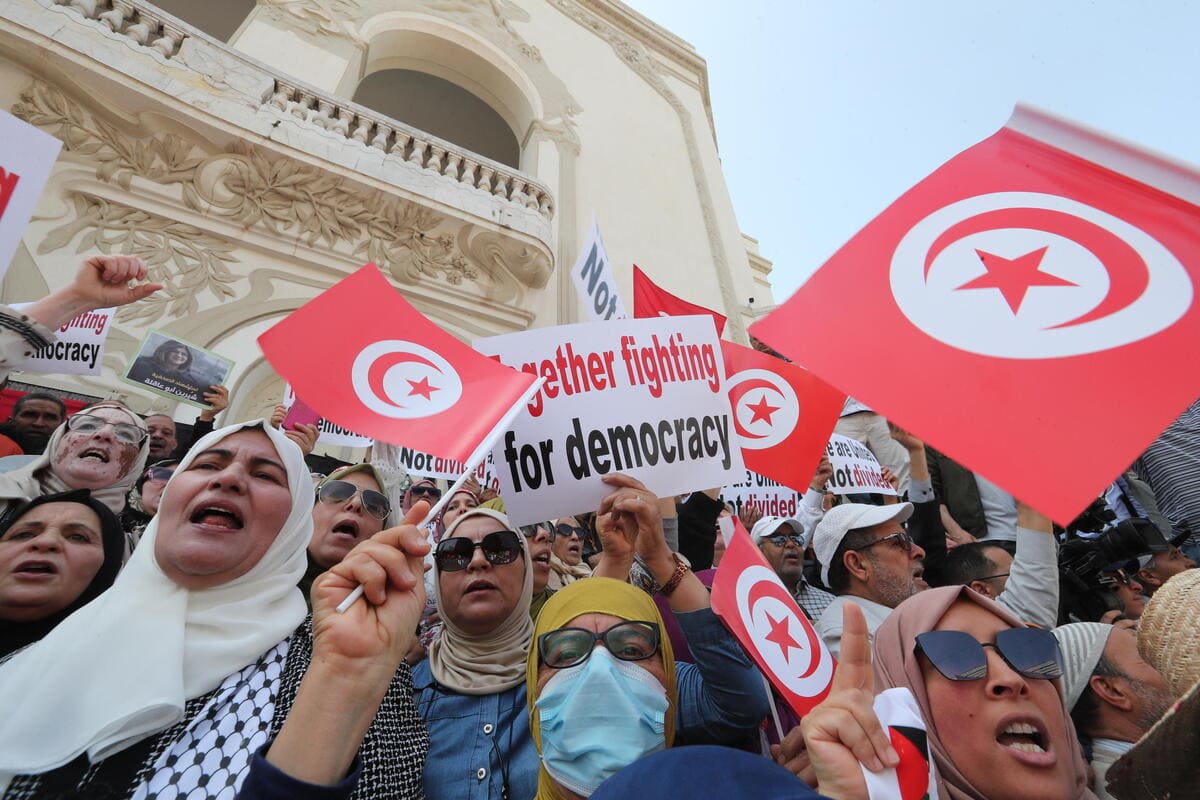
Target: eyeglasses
[[628, 641], [499, 548], [781, 539], [428, 492], [563, 529], [531, 531], [990, 577], [1033, 652], [900, 538], [123, 431], [1112, 579], [374, 503], [159, 474]]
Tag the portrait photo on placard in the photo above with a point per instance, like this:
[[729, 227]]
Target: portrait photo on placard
[[177, 369]]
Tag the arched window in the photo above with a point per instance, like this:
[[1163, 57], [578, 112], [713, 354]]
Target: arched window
[[445, 109], [218, 18]]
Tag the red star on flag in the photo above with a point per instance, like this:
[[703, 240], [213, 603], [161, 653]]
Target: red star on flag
[[1014, 276], [762, 411], [781, 635], [422, 388]]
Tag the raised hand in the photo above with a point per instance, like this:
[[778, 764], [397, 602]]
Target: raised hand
[[824, 473], [102, 281], [632, 510], [906, 439], [749, 515], [843, 731], [374, 635], [305, 437], [217, 398]]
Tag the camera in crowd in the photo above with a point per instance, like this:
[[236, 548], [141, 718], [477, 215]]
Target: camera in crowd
[[1092, 548]]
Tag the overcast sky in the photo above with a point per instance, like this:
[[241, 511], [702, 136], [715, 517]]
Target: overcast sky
[[828, 111]]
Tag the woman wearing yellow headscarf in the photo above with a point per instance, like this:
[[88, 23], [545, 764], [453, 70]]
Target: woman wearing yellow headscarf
[[604, 689]]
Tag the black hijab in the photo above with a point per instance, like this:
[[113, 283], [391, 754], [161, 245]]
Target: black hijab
[[15, 635]]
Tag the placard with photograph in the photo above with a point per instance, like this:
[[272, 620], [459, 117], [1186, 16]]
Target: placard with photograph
[[177, 369]]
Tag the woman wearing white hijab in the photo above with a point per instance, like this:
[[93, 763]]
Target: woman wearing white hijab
[[174, 678]]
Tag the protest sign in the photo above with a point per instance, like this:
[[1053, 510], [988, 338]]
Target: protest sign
[[651, 300], [783, 414], [643, 397], [329, 432], [27, 155], [177, 369], [392, 374], [78, 346], [768, 497], [757, 608], [594, 279], [1046, 261], [427, 465], [855, 468]]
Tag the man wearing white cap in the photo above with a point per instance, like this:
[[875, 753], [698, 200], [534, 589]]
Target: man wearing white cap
[[867, 558], [781, 541], [1112, 694]]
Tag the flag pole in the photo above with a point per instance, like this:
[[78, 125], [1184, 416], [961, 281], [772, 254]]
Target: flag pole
[[473, 461], [774, 709]]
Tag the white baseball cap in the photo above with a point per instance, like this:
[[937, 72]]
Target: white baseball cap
[[768, 525], [842, 519]]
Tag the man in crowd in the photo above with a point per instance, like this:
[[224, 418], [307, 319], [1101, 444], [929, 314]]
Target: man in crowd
[[867, 558], [781, 540], [1156, 569], [1171, 466], [1128, 601], [163, 441], [1113, 695], [34, 418], [1022, 576]]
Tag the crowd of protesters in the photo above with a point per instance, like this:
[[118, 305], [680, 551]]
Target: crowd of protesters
[[168, 621]]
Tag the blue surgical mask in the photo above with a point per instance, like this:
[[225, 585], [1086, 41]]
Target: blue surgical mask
[[598, 717]]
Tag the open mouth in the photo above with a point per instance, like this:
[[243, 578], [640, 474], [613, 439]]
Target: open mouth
[[479, 586], [542, 558], [347, 527], [96, 454], [1023, 737], [218, 516], [36, 568]]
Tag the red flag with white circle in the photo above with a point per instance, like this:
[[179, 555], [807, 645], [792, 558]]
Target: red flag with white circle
[[783, 414], [757, 609], [651, 300], [1029, 309], [367, 360]]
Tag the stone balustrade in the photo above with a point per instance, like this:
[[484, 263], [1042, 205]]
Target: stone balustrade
[[150, 27]]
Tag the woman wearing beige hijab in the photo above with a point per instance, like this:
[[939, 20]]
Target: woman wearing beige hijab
[[997, 728]]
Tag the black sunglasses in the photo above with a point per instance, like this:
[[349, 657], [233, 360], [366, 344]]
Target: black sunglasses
[[160, 473], [1032, 652], [455, 553], [122, 431], [628, 641], [428, 492], [901, 538], [374, 503], [563, 529], [781, 539], [531, 531]]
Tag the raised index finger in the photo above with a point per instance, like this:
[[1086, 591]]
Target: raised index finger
[[854, 664]]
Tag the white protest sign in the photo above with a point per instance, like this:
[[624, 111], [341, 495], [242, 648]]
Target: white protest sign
[[330, 433], [770, 498], [426, 465], [593, 276], [78, 347], [26, 158], [855, 468], [644, 397]]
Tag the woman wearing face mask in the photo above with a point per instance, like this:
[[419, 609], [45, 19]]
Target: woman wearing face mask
[[200, 651], [566, 559], [56, 556], [988, 687], [141, 503], [101, 448], [352, 506], [603, 686]]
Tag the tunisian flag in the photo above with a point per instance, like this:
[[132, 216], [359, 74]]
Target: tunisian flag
[[364, 358], [650, 300], [1029, 309], [756, 608], [783, 414]]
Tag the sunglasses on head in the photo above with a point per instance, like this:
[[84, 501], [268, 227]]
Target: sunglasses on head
[[629, 641], [374, 503], [1032, 652], [567, 531], [422, 491], [124, 432], [160, 473], [499, 548]]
